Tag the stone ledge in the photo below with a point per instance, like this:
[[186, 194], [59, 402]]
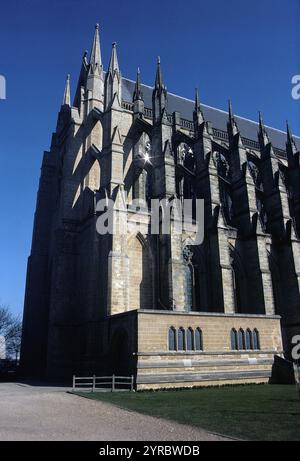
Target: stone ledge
[[204, 363], [207, 314], [192, 353], [193, 377]]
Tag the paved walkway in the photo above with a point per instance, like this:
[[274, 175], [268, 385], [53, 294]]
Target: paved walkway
[[48, 413]]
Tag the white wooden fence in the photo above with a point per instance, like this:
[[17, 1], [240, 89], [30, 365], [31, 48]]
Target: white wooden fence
[[99, 383]]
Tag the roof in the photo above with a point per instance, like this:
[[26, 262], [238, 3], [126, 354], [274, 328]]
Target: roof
[[217, 117]]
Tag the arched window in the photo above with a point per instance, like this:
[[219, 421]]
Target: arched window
[[185, 182], [241, 339], [226, 201], [181, 339], [236, 279], [222, 165], [189, 277], [234, 339], [249, 344], [253, 171], [186, 157], [190, 339], [198, 340], [256, 342], [172, 339]]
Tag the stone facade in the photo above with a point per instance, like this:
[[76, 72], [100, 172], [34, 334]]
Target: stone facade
[[157, 366], [106, 303]]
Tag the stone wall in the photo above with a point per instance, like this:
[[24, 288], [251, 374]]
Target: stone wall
[[217, 363]]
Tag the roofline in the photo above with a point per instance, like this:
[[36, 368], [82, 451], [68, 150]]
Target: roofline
[[215, 108]]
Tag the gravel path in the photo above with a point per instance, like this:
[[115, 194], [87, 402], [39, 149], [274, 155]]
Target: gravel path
[[44, 413]]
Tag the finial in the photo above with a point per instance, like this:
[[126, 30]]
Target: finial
[[290, 139], [230, 110], [158, 79], [264, 137], [114, 64], [288, 130], [197, 100], [137, 94], [95, 57], [231, 125], [261, 123], [67, 93], [198, 114]]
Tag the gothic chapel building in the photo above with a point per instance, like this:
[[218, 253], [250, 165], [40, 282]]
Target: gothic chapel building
[[155, 306]]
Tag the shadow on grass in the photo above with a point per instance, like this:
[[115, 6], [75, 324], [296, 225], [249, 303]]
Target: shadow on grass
[[268, 412]]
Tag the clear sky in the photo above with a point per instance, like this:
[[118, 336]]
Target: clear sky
[[245, 50]]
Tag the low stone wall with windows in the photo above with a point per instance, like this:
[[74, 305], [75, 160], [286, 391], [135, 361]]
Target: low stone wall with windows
[[180, 349]]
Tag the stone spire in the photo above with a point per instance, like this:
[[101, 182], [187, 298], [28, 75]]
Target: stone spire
[[159, 95], [137, 94], [262, 133], [113, 63], [289, 133], [291, 147], [270, 166], [85, 60], [197, 101], [198, 114], [113, 82], [67, 93], [95, 77], [138, 98], [81, 81], [203, 138], [238, 154], [232, 125], [95, 57], [65, 109], [290, 139], [260, 121], [158, 79], [230, 111]]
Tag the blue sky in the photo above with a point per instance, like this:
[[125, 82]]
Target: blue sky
[[244, 50]]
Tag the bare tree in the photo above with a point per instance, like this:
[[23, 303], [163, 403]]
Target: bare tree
[[13, 342], [11, 330], [6, 320]]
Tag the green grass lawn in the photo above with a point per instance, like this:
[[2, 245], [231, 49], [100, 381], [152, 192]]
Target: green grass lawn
[[253, 412]]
